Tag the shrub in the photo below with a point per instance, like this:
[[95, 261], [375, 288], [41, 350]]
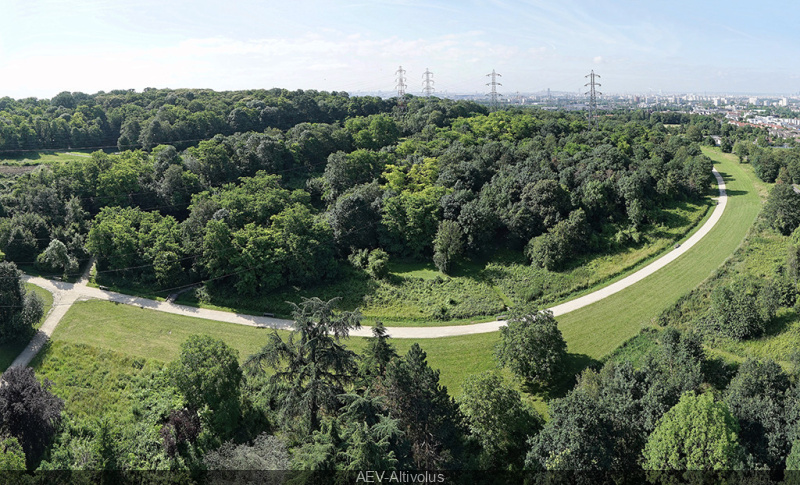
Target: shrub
[[377, 263], [742, 309]]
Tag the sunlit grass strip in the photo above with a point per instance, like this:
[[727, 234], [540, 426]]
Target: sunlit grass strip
[[599, 328]]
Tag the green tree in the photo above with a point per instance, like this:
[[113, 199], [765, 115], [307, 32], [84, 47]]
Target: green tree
[[12, 457], [428, 416], [498, 419], [346, 170], [565, 240], [57, 258], [531, 346], [756, 398], [741, 149], [782, 209], [410, 220], [19, 310], [542, 205], [793, 460], [305, 244], [448, 245], [696, 434], [369, 448], [739, 308], [208, 375], [313, 363], [355, 217], [578, 436], [377, 354]]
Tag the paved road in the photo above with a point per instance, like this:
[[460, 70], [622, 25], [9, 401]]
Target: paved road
[[65, 294]]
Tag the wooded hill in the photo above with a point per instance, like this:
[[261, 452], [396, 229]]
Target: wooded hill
[[327, 181]]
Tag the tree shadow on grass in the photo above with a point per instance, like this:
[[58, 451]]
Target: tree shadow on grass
[[576, 363], [727, 177], [8, 352], [735, 193], [780, 323]]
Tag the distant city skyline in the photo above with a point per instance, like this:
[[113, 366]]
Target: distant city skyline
[[682, 46]]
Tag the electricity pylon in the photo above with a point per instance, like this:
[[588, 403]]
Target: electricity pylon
[[592, 97], [493, 94], [427, 82]]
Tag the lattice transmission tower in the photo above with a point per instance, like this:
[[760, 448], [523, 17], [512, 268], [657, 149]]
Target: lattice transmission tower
[[493, 84], [427, 82], [401, 88], [593, 93]]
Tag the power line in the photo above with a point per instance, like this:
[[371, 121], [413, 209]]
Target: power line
[[493, 84]]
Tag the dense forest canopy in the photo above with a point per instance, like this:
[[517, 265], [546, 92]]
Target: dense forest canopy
[[262, 189], [130, 120]]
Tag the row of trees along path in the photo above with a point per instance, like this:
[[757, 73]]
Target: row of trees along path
[[65, 294]]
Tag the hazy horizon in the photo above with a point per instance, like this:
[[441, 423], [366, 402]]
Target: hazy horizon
[[51, 46]]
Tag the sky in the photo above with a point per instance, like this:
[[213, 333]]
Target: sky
[[645, 46]]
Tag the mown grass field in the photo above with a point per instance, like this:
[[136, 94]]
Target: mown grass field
[[27, 162]]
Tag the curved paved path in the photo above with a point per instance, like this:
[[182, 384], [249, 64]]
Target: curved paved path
[[65, 294]]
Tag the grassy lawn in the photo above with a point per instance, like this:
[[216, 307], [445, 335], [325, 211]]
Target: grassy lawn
[[45, 157], [157, 336]]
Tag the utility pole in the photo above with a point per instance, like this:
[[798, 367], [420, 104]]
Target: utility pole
[[592, 97], [427, 82], [401, 88], [493, 94]]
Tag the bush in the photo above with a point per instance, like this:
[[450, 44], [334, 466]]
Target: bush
[[19, 310], [57, 258], [265, 453], [359, 258], [374, 263], [567, 239], [742, 308], [377, 263]]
